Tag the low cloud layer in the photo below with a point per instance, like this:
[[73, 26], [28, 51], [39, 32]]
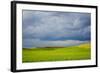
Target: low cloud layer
[[44, 28], [31, 43]]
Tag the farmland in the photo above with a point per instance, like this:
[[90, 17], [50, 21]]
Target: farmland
[[77, 52]]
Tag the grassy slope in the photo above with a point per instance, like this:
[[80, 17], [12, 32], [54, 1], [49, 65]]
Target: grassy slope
[[79, 52]]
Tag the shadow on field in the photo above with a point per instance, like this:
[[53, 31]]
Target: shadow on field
[[43, 48]]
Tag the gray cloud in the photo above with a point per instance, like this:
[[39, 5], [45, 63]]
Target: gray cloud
[[55, 26]]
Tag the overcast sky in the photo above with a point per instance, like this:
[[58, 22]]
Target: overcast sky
[[49, 28]]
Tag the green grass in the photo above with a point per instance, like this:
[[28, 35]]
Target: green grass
[[79, 52]]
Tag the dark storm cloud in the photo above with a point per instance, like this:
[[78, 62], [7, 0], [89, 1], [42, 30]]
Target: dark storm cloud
[[55, 26]]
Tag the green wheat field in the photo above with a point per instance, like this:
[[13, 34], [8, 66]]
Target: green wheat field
[[77, 52]]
